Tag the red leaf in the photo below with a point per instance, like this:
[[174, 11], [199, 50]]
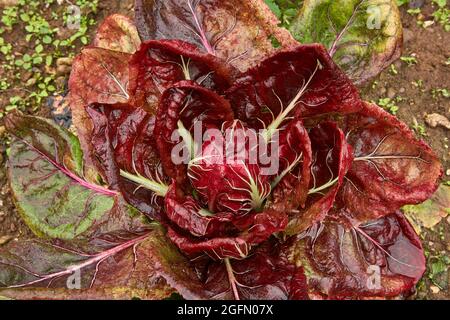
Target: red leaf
[[332, 158], [260, 227], [295, 160], [226, 176], [98, 76], [123, 139], [186, 102], [391, 168], [239, 32], [382, 258], [266, 275], [185, 212], [157, 65], [301, 82]]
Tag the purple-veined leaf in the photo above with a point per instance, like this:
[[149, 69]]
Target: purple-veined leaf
[[50, 191], [239, 32], [377, 259], [391, 167], [118, 265]]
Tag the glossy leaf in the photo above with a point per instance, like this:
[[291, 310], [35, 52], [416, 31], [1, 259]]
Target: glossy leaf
[[227, 176], [266, 275], [363, 36], [46, 176], [157, 65], [117, 33], [239, 32], [186, 103], [301, 82], [332, 158], [378, 259], [123, 141], [291, 186], [257, 228], [391, 168]]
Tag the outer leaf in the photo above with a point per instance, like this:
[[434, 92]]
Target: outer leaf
[[380, 259], [301, 82], [362, 36], [240, 32], [46, 176], [432, 211], [266, 275], [117, 33], [110, 266], [391, 168], [123, 139], [332, 158], [160, 64], [98, 76]]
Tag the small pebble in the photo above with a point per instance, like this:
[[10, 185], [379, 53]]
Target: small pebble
[[63, 70], [5, 239], [402, 90], [64, 61], [2, 130], [434, 120], [435, 289], [12, 227], [391, 93], [447, 172]]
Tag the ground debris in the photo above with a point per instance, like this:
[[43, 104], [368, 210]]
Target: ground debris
[[434, 120]]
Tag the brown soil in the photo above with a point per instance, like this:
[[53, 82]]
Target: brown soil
[[429, 46]]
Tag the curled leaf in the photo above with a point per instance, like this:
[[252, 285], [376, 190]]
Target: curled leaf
[[331, 159], [184, 104], [363, 36], [157, 65], [123, 142]]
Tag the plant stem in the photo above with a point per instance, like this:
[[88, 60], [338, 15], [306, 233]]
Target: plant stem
[[159, 188], [231, 278]]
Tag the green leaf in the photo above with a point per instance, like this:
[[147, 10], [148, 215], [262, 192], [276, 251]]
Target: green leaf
[[274, 7], [363, 36], [432, 211], [46, 177]]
